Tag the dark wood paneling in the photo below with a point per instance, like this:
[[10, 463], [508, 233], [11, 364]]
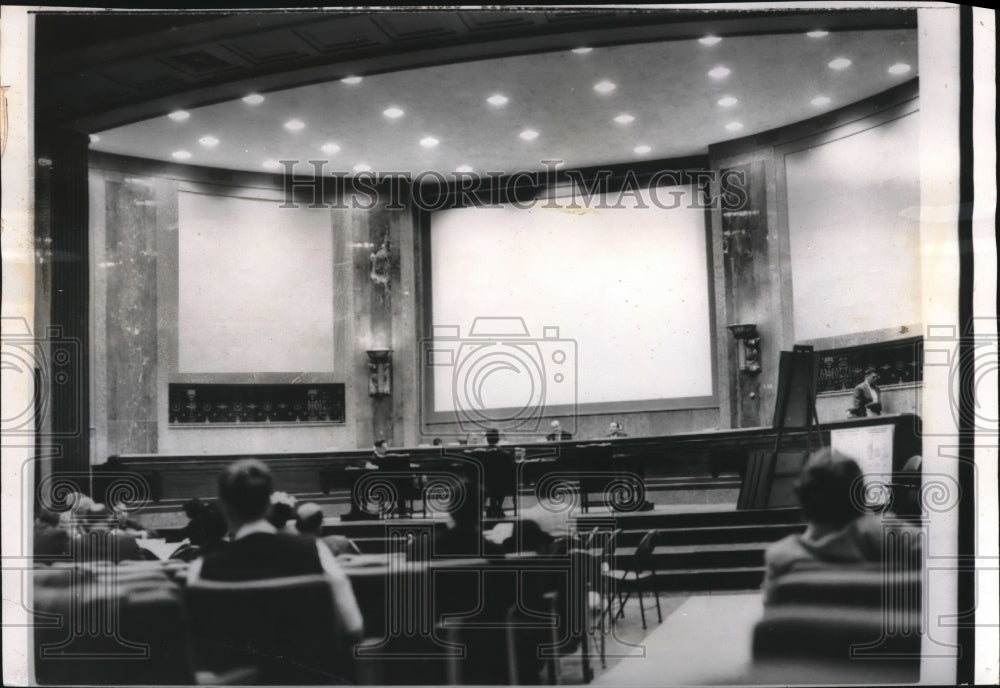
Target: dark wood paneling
[[65, 209], [699, 454]]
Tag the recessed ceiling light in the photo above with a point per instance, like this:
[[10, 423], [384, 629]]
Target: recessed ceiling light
[[208, 141], [180, 155], [709, 40], [362, 167], [253, 99], [94, 138], [719, 72], [605, 86], [642, 149], [393, 112], [839, 63], [464, 168], [271, 164], [351, 79], [734, 126], [179, 115], [727, 101], [429, 142], [624, 118], [582, 50], [899, 68], [529, 134], [820, 101], [497, 99], [817, 33], [295, 125], [329, 148]]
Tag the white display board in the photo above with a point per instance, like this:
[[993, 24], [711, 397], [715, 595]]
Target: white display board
[[625, 283], [871, 448]]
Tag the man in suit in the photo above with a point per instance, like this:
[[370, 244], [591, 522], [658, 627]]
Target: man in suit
[[258, 551], [615, 429], [557, 433], [867, 397]]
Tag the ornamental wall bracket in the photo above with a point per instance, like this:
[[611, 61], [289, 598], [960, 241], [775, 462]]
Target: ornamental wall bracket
[[381, 265]]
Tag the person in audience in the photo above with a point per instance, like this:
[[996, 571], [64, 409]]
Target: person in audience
[[77, 505], [840, 530], [309, 522], [258, 551], [463, 536], [616, 429], [207, 527], [500, 475], [100, 539], [51, 540], [282, 512], [557, 433], [867, 396]]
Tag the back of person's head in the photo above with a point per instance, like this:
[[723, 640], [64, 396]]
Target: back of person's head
[[245, 488], [309, 518], [492, 436], [280, 514], [830, 489], [193, 507], [212, 526], [282, 509]]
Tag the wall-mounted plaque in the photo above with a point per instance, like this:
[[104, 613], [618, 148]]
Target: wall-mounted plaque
[[252, 403], [897, 362]]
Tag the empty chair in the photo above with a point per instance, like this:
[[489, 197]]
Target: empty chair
[[285, 628], [638, 577]]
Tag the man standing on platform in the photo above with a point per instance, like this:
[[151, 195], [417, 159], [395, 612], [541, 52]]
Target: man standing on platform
[[258, 551], [867, 396]]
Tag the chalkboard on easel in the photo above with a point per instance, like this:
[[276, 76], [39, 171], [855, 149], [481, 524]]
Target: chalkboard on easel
[[771, 475], [797, 376]]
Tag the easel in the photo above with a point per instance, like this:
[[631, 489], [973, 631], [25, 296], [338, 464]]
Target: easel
[[770, 476]]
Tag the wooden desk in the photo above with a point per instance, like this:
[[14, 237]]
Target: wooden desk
[[681, 455]]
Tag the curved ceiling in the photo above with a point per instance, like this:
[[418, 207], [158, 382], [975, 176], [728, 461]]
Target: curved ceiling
[[117, 76], [583, 107]]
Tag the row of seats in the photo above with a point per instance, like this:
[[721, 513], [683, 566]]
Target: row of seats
[[515, 616], [865, 623]]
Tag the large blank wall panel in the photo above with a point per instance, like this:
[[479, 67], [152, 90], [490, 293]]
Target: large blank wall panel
[[255, 286], [853, 218]]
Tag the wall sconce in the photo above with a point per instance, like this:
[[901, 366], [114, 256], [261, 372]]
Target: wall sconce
[[748, 346], [379, 372]]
